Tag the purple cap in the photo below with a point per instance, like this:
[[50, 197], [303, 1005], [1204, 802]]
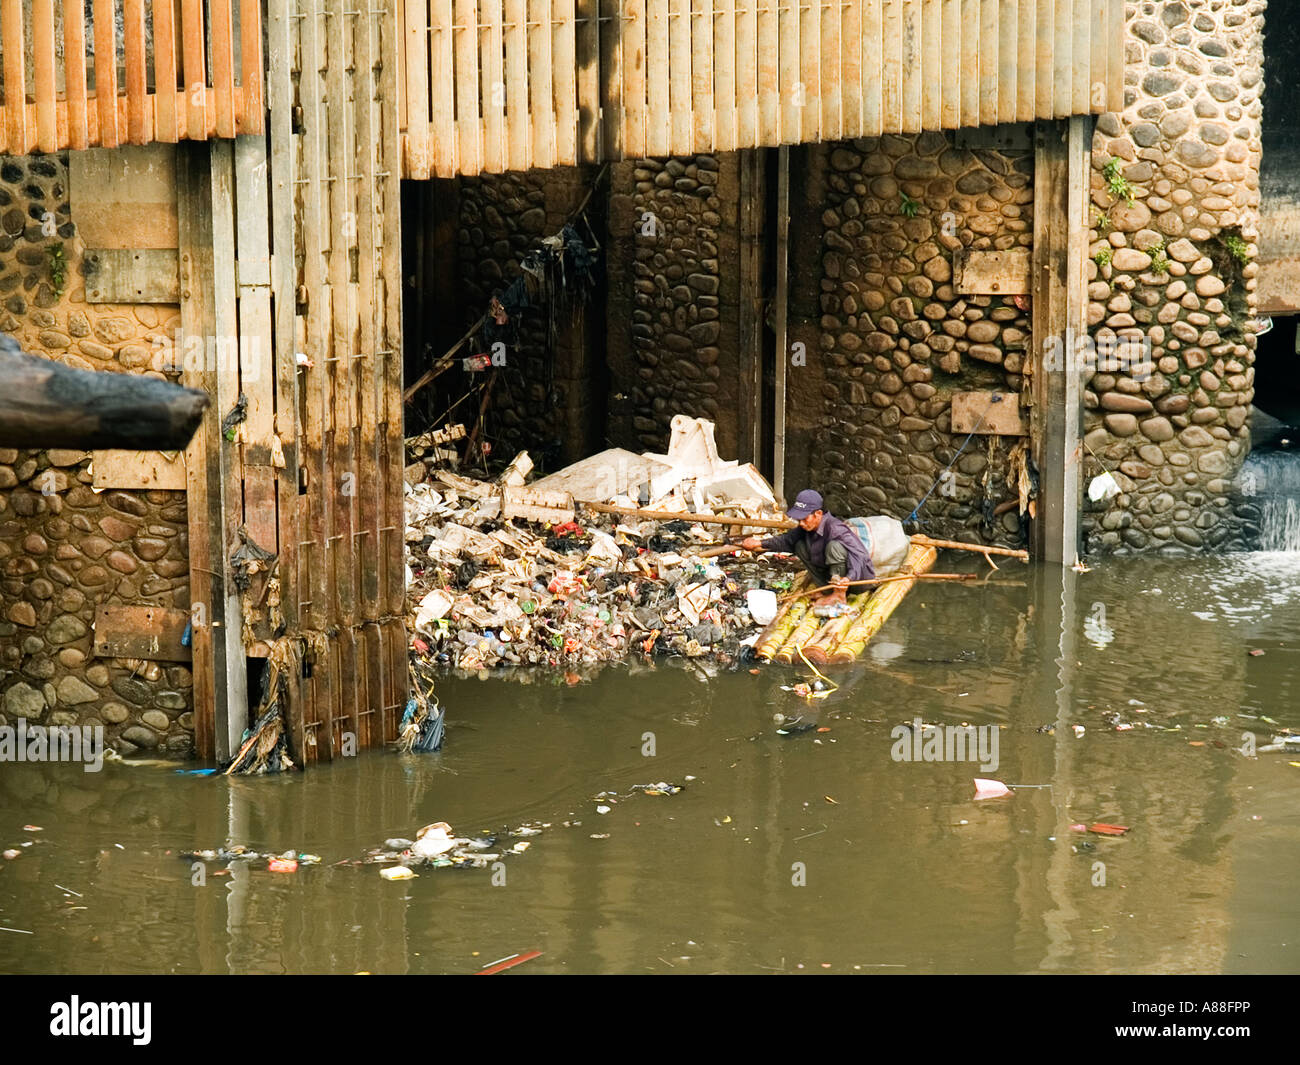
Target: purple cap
[[805, 503]]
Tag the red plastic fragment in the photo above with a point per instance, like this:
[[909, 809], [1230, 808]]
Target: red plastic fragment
[[509, 963], [1108, 830]]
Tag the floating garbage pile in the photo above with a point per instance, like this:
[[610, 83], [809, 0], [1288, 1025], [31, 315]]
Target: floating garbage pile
[[511, 573]]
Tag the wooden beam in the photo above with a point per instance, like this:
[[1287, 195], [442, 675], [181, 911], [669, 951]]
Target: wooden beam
[[781, 301], [1059, 324]]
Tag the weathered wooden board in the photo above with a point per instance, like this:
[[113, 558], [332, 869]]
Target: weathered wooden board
[[536, 504], [150, 632], [126, 275], [162, 470], [992, 273], [988, 414]]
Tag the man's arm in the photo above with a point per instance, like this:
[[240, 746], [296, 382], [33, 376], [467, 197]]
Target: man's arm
[[782, 541]]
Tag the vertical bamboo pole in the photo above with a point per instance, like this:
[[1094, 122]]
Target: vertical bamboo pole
[[519, 128], [541, 83], [679, 87], [872, 68], [658, 112], [416, 43], [832, 85], [47, 126], [468, 123], [726, 70], [810, 40], [790, 84], [850, 86], [747, 85], [74, 72], [564, 50], [702, 76], [491, 65]]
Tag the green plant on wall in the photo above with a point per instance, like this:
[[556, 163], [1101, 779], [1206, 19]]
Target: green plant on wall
[[908, 206], [1237, 248], [1102, 258], [58, 268], [1100, 220], [1116, 183]]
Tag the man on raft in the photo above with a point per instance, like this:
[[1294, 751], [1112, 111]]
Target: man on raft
[[827, 546]]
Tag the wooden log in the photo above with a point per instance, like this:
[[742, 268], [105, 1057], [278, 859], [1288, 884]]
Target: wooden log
[[47, 404]]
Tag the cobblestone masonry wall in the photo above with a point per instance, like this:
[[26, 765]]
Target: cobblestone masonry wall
[[1175, 202], [544, 400], [674, 286], [895, 340], [65, 549]]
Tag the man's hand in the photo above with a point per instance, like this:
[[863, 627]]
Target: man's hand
[[752, 543]]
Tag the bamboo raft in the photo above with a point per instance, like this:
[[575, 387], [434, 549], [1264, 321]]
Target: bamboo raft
[[840, 639]]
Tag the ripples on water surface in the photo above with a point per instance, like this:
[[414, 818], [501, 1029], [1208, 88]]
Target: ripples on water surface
[[904, 873]]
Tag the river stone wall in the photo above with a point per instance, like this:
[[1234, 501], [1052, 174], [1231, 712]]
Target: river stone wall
[[545, 401], [871, 410], [674, 287], [1175, 267], [64, 548]]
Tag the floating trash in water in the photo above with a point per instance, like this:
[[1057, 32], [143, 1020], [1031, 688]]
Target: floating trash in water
[[991, 789], [1102, 829], [398, 872]]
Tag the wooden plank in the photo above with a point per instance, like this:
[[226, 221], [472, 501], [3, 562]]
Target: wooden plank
[[353, 680], [370, 325], [196, 76], [634, 79], [588, 61], [988, 414], [1082, 53], [970, 63], [1063, 60], [541, 86], [465, 52], [564, 51], [281, 32], [392, 454], [131, 275], [164, 69], [154, 470], [991, 273], [949, 71], [725, 70], [810, 51], [746, 83], [12, 31], [341, 491], [221, 48], [434, 153], [250, 116], [492, 66], [891, 74], [1026, 60], [1115, 52], [872, 67], [912, 67], [154, 633], [74, 72], [225, 331], [372, 652], [789, 84], [658, 119], [211, 641], [611, 77], [417, 43], [831, 119], [850, 86], [139, 108], [780, 308], [988, 61], [256, 379], [679, 76], [43, 60], [702, 76], [519, 145], [1009, 16], [932, 49]]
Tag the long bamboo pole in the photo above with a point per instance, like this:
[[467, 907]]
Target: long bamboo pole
[[664, 515], [887, 580], [981, 549]]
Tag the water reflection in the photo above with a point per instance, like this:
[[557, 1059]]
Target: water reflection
[[903, 872]]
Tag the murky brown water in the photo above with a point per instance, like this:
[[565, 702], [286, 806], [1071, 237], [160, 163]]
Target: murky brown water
[[904, 872]]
